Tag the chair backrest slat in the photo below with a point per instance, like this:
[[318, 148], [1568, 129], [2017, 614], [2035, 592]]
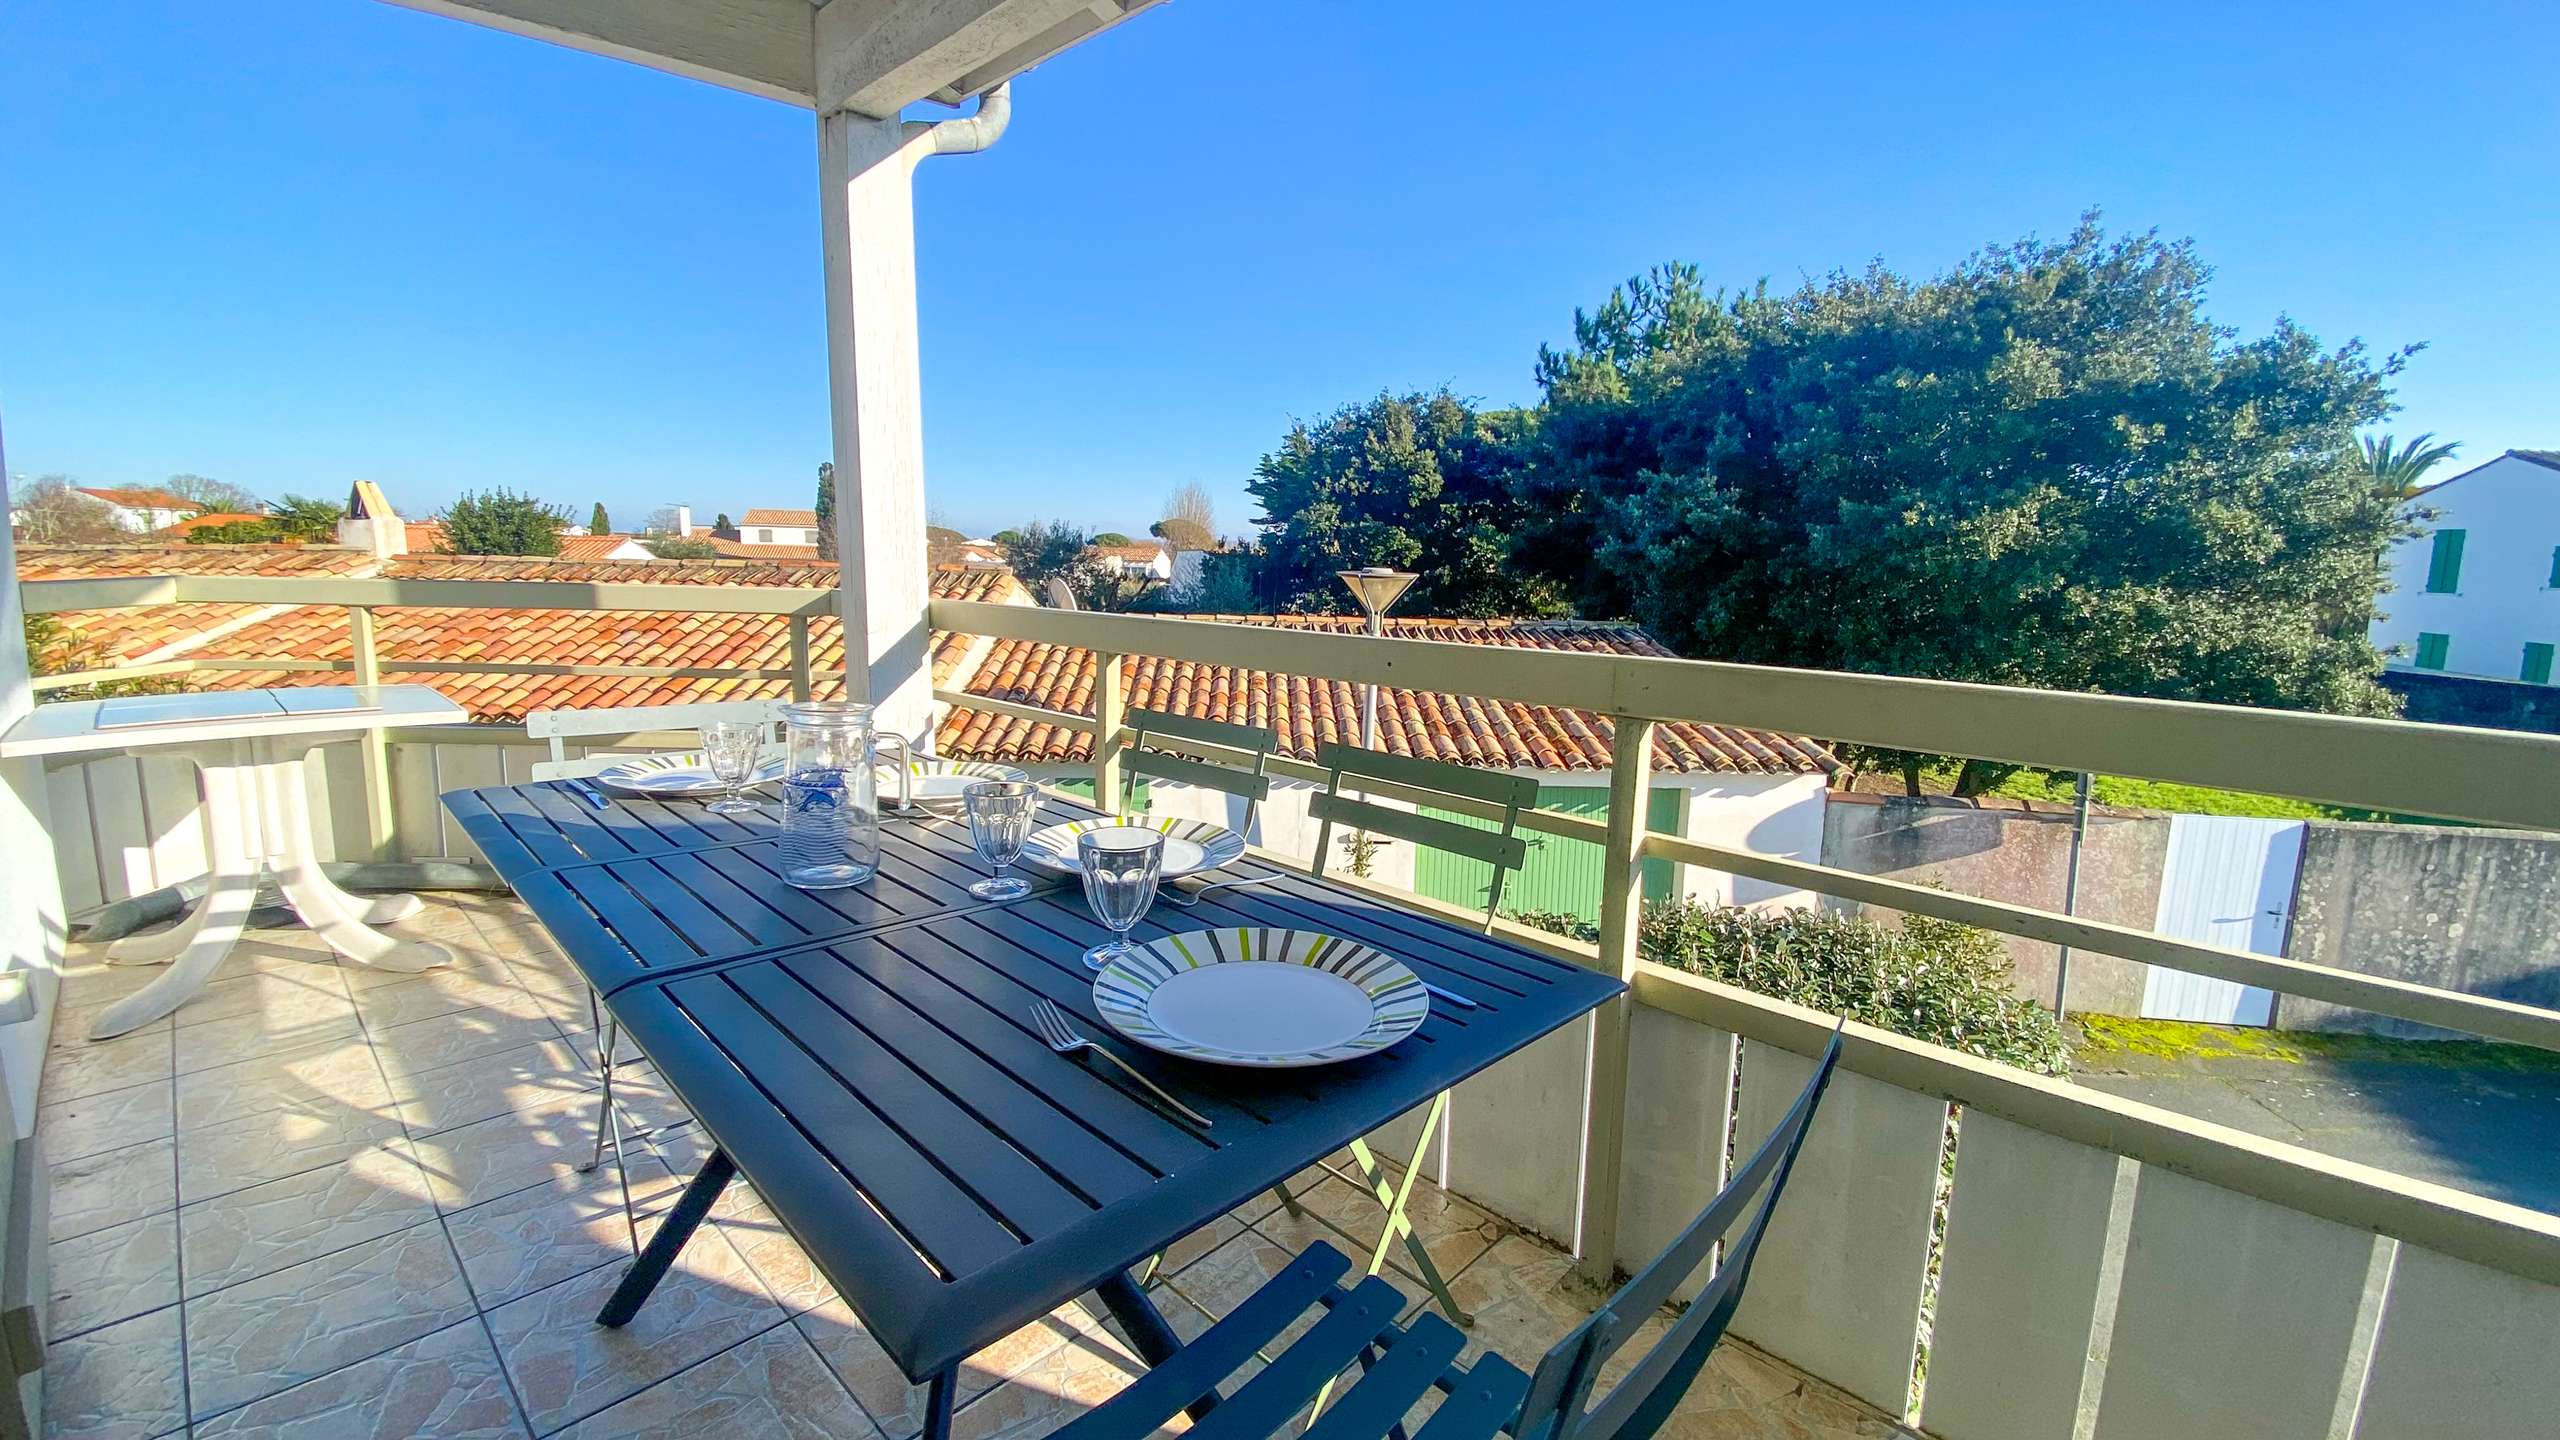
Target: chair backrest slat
[[1495, 787], [1207, 732], [1508, 852], [1182, 770], [557, 726], [1644, 1397]]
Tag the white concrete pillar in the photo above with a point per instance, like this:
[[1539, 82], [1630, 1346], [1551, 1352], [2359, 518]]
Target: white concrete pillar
[[32, 932], [865, 172]]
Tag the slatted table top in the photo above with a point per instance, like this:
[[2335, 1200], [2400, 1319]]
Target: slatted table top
[[882, 1086], [654, 887]]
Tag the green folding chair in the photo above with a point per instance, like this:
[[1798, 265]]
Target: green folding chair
[[1163, 761], [1505, 850]]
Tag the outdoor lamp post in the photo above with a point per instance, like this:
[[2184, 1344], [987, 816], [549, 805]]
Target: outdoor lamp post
[[1376, 588]]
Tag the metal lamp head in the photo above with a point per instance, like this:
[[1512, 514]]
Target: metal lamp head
[[1377, 587]]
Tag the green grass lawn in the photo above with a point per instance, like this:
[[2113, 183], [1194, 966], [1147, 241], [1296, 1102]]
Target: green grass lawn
[[2055, 786]]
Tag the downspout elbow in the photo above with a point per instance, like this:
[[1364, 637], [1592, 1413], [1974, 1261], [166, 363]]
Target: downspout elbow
[[973, 133]]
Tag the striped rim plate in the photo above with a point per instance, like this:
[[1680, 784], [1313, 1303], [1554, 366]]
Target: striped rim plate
[[940, 782], [1272, 999], [681, 774], [1190, 846]]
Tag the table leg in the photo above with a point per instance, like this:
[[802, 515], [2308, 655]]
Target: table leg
[[1147, 1329], [230, 892], [332, 913], [370, 909], [938, 1398], [668, 1242]]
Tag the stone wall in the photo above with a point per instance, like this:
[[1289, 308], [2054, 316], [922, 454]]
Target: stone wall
[[2471, 910], [2020, 856]]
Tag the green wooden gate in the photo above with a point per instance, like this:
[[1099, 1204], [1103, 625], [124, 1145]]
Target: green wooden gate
[[1562, 874]]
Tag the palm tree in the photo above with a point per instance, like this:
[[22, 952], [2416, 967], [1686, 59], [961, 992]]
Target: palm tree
[[2395, 473]]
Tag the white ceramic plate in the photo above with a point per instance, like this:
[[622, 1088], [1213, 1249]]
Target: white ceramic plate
[[942, 782], [1270, 999], [679, 776], [1190, 846]]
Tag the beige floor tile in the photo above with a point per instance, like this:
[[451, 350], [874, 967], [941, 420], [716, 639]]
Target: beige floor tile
[[771, 1386], [493, 1085], [442, 993], [467, 960], [567, 1367], [125, 1382], [788, 1273], [309, 1020], [269, 1334], [452, 1039], [547, 1233], [898, 1406], [232, 1155], [112, 1274], [489, 1158], [282, 1223], [1193, 1247], [1230, 1274], [1056, 1388], [107, 1120], [1452, 1231], [447, 1386], [306, 987], [111, 1187], [337, 1073], [77, 1066], [89, 983]]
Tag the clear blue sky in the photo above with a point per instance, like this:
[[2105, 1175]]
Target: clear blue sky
[[293, 244]]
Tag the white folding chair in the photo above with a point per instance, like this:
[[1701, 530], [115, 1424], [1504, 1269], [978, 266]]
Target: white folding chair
[[561, 726], [558, 727]]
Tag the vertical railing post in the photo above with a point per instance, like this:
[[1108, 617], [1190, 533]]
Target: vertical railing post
[[1108, 706], [1621, 908], [800, 658], [381, 818]]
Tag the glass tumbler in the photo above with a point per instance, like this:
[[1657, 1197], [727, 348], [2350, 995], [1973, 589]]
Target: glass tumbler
[[1121, 866], [999, 825], [732, 749]]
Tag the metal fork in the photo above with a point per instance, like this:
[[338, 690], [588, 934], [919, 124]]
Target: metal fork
[[1064, 1038], [1187, 899]]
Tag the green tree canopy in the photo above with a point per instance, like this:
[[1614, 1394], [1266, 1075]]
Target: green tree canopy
[[1415, 481], [501, 522], [679, 547], [2396, 473], [1110, 537], [826, 508], [301, 517], [2045, 467], [598, 522]]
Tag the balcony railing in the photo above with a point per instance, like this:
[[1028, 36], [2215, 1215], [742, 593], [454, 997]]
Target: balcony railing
[[2106, 1267]]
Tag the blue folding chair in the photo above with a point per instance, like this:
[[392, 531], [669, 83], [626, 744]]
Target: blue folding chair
[[1397, 1364]]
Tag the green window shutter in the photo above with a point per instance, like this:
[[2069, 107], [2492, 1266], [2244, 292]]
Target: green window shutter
[[2431, 650], [2554, 581], [2444, 566], [2537, 663]]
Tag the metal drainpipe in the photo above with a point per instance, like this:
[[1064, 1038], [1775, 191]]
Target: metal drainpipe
[[973, 133]]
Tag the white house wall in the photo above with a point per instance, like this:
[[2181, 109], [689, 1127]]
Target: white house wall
[[2509, 511]]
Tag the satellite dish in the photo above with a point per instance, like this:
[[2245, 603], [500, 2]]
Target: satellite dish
[[1060, 597]]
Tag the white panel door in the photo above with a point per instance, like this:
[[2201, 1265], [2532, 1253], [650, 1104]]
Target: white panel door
[[2227, 881]]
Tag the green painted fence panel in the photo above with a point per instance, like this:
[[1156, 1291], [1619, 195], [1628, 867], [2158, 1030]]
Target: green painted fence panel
[[1562, 874]]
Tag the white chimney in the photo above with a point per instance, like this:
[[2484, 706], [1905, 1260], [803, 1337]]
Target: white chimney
[[371, 525], [684, 520]]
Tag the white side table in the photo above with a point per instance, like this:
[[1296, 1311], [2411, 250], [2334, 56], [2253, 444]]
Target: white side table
[[249, 748]]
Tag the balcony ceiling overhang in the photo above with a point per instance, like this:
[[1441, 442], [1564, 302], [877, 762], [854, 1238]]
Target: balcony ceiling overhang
[[870, 57]]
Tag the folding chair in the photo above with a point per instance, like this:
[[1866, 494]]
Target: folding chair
[[1354, 1327], [1505, 850]]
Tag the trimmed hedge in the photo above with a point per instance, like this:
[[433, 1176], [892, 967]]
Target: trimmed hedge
[[1930, 979]]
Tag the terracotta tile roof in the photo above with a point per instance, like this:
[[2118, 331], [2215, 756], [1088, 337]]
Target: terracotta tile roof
[[741, 550], [1461, 729], [995, 586], [141, 499], [207, 522], [805, 519], [425, 536], [67, 562], [1145, 552], [593, 547]]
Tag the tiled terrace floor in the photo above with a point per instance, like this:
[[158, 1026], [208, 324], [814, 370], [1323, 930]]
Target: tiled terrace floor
[[325, 1203]]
